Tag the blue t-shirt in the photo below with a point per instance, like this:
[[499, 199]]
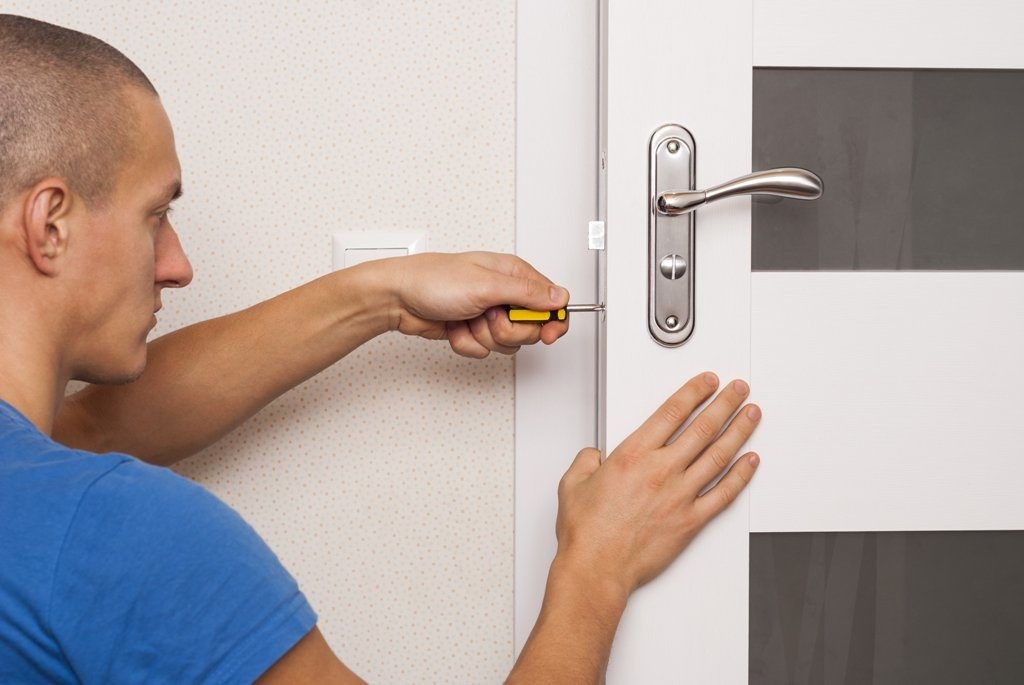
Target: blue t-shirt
[[117, 571]]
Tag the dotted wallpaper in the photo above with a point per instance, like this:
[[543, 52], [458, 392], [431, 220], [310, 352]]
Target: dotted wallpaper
[[385, 483]]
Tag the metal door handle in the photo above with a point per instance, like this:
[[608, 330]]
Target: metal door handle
[[672, 197], [792, 182]]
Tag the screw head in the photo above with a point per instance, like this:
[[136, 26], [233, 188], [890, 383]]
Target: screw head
[[673, 146], [671, 320]]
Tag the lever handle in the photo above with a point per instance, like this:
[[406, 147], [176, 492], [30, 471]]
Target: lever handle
[[793, 182]]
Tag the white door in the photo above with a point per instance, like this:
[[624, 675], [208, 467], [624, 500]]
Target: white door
[[881, 329]]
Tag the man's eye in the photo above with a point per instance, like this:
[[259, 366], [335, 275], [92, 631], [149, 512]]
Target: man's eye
[[164, 214]]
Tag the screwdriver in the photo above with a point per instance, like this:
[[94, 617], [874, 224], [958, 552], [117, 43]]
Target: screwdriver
[[542, 315]]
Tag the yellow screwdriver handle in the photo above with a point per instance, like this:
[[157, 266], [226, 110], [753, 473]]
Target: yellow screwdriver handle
[[536, 316]]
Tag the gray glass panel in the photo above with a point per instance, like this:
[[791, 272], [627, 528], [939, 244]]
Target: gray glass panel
[[923, 169], [887, 608]]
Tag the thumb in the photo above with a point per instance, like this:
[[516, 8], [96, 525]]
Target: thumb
[[524, 291], [586, 462]]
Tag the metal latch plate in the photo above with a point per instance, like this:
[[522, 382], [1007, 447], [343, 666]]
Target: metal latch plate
[[670, 262]]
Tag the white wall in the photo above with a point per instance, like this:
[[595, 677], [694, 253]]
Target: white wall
[[384, 484]]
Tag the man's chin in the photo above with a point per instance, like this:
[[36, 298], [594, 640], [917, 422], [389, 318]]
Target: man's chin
[[112, 376]]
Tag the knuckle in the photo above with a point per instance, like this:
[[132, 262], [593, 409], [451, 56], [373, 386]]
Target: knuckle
[[630, 459], [704, 428], [521, 267], [691, 520], [674, 411], [657, 478], [726, 494], [719, 457]]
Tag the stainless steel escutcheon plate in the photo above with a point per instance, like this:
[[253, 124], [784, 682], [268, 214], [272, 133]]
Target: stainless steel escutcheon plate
[[672, 199]]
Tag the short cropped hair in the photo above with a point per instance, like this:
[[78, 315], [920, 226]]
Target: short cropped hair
[[63, 109]]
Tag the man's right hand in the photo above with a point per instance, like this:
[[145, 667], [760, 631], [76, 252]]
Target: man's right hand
[[621, 522], [629, 517]]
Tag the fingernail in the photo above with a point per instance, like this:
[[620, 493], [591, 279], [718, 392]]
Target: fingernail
[[754, 460], [753, 412], [711, 379], [491, 313], [556, 294], [740, 387]]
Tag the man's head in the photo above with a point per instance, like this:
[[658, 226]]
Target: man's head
[[87, 171]]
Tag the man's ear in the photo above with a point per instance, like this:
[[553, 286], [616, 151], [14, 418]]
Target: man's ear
[[45, 222]]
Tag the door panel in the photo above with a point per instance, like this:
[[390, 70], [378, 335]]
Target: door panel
[[685, 63], [889, 400], [888, 395], [932, 34]]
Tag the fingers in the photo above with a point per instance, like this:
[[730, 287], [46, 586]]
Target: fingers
[[706, 426], [511, 280], [524, 291], [504, 332], [511, 334], [673, 413], [462, 341], [712, 502], [718, 456], [480, 327], [553, 330], [514, 281]]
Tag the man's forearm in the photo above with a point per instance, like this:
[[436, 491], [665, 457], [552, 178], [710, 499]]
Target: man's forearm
[[204, 380], [573, 636]]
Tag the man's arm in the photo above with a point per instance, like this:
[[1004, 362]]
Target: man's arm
[[311, 660], [202, 381], [620, 523]]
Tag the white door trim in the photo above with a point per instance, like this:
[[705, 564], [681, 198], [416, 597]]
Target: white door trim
[[556, 197]]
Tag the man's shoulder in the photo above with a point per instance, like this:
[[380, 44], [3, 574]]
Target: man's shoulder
[[126, 570], [48, 491], [39, 471], [42, 483]]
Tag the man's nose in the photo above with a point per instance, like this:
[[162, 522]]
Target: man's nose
[[173, 269]]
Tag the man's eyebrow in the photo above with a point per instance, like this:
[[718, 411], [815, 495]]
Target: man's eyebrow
[[172, 193]]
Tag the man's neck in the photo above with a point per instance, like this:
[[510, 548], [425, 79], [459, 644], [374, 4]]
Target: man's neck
[[31, 377]]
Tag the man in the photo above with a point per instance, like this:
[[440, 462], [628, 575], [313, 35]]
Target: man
[[115, 570]]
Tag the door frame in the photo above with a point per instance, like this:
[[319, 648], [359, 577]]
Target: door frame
[[556, 196]]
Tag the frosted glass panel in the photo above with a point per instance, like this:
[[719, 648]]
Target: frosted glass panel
[[887, 608], [922, 169]]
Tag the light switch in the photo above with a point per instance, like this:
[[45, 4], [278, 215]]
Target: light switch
[[349, 248], [358, 255]]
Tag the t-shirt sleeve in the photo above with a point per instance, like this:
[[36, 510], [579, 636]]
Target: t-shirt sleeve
[[159, 581]]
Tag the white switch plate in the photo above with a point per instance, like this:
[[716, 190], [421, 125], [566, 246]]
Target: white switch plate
[[358, 255], [355, 247]]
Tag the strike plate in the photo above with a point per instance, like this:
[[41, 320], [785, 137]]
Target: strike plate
[[670, 261]]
